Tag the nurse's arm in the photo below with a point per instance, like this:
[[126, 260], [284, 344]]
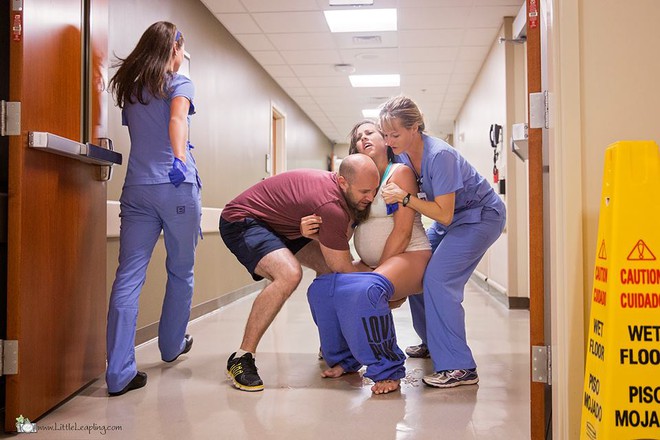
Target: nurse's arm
[[441, 209], [178, 126], [399, 238]]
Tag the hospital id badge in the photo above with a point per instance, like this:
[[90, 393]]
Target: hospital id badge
[[421, 195]]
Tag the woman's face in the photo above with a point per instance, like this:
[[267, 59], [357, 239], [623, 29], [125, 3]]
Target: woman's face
[[177, 57], [399, 138], [370, 141]]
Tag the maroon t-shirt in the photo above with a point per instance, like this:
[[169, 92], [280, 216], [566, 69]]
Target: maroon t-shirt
[[282, 200]]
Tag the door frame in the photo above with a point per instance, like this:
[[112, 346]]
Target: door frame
[[277, 148], [567, 280], [538, 227]]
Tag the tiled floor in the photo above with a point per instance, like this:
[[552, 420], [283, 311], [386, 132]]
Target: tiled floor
[[192, 399]]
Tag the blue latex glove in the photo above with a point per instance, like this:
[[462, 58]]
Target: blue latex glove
[[178, 172], [391, 208]]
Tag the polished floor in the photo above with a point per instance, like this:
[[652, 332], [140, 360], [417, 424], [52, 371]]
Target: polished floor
[[192, 399]]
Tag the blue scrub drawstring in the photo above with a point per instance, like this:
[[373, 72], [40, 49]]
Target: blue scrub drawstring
[[199, 185]]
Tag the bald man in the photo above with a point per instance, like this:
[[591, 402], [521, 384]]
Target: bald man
[[261, 227]]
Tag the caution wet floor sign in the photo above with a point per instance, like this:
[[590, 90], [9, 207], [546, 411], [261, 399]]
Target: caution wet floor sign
[[621, 398]]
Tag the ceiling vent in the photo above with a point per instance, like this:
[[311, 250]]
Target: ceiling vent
[[370, 40], [345, 68]]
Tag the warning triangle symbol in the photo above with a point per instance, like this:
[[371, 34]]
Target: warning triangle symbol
[[641, 252], [602, 253]]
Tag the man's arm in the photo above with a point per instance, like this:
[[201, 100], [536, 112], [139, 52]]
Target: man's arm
[[338, 261]]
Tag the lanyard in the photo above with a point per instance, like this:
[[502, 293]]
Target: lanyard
[[387, 170], [418, 177]]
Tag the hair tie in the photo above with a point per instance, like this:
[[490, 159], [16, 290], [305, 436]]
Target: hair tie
[[177, 36]]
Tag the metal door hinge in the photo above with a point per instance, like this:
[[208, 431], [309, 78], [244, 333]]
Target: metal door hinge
[[541, 364], [10, 118], [539, 109], [8, 357]]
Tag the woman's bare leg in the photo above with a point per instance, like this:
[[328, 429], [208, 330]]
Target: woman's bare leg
[[405, 271]]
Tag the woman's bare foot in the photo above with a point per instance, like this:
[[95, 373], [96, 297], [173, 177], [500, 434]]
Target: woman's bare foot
[[335, 371], [385, 386]]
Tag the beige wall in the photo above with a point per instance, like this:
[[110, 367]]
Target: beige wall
[[231, 134], [620, 91], [604, 76], [516, 172], [495, 98]]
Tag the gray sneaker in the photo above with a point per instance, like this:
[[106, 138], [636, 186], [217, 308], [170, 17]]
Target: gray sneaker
[[418, 351], [452, 378]]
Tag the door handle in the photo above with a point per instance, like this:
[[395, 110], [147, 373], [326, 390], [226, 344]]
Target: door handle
[[105, 171], [87, 152]]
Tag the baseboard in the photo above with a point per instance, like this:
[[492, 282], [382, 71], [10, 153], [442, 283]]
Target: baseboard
[[150, 331], [499, 293]]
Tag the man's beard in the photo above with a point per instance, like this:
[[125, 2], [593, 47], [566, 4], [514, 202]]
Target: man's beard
[[360, 216]]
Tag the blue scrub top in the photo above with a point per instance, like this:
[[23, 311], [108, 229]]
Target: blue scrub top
[[151, 155], [445, 171]]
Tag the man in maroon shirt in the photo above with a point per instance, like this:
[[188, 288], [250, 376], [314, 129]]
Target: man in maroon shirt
[[261, 227]]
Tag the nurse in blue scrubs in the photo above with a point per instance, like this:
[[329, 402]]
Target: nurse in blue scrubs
[[161, 193], [468, 218]]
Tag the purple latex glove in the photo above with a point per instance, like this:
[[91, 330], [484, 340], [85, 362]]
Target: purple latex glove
[[178, 172]]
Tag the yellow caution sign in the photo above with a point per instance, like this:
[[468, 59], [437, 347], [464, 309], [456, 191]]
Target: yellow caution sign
[[621, 398]]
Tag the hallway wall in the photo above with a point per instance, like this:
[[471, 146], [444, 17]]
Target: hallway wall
[[231, 134], [605, 76], [495, 99], [620, 93]]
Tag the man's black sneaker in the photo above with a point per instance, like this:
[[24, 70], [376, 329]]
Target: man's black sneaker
[[243, 373]]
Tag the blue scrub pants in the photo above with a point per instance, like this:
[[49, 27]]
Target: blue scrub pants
[[355, 323], [145, 211], [438, 314]]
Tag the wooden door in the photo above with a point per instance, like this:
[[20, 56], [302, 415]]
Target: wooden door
[[539, 300], [56, 293]]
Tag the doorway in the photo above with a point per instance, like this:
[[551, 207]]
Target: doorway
[[276, 161]]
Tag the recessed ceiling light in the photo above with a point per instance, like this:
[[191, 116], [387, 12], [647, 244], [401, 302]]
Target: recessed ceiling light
[[370, 112], [351, 2], [361, 20], [375, 80]]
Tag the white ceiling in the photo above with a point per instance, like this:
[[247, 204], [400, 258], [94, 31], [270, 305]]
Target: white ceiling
[[438, 50]]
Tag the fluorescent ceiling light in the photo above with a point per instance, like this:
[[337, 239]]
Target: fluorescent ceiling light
[[351, 2], [361, 20], [375, 80], [370, 112]]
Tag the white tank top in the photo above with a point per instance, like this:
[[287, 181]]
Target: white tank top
[[370, 236]]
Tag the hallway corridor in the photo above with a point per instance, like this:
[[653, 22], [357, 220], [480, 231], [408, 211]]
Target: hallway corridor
[[192, 398]]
